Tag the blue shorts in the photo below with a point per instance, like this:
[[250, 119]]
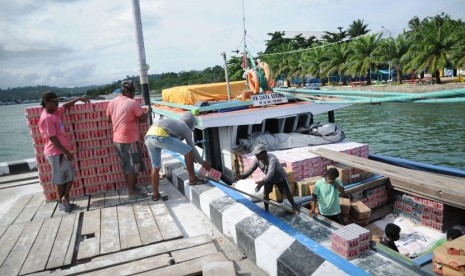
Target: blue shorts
[[154, 145]]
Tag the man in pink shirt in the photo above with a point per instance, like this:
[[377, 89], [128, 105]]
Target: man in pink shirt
[[57, 148], [124, 112]]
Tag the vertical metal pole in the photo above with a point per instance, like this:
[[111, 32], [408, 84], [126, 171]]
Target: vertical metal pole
[[143, 67], [226, 75]]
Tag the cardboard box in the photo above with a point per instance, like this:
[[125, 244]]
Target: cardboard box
[[344, 172], [359, 211], [345, 205], [302, 188], [276, 194], [451, 264], [361, 222], [456, 247]]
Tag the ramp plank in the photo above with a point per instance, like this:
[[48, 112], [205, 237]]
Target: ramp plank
[[131, 255], [128, 232], [168, 227], [193, 252], [148, 228], [97, 201], [123, 196], [134, 267], [15, 210], [109, 233], [30, 209], [65, 237], [9, 238], [90, 246], [18, 254], [83, 202], [2, 230], [111, 198], [218, 269], [45, 210], [192, 267], [40, 251], [444, 189]]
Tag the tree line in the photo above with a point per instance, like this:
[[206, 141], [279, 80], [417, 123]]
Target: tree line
[[430, 44]]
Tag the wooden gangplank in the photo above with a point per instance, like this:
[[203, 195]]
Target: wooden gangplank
[[33, 239], [445, 189]]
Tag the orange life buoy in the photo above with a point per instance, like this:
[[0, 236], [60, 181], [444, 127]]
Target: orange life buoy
[[252, 79]]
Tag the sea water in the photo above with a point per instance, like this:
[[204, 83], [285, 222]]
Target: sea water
[[430, 133]]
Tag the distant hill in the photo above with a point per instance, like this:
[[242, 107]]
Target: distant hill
[[34, 92]]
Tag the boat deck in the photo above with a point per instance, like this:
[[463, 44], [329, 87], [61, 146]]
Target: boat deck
[[106, 235]]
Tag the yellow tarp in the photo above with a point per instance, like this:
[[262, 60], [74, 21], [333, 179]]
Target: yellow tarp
[[190, 94]]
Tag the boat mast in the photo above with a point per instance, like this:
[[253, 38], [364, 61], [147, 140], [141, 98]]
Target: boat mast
[[244, 38], [143, 66]]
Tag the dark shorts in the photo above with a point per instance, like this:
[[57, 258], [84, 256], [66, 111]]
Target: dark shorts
[[337, 218], [131, 157], [282, 186]]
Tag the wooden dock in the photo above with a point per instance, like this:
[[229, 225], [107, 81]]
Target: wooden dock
[[106, 235]]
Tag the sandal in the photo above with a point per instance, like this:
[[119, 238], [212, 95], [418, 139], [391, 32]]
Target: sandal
[[198, 181], [157, 197], [137, 196]]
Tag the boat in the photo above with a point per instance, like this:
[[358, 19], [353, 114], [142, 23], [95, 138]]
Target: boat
[[222, 124]]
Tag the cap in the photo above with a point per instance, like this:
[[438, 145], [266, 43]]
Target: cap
[[129, 85], [189, 119], [46, 96], [259, 148]]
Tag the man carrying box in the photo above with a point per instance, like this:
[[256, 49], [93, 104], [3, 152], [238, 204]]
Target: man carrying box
[[274, 175], [326, 195]]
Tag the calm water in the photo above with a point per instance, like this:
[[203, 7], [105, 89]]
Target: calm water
[[426, 133]]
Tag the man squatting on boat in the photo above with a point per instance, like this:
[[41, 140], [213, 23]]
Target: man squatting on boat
[[124, 112], [57, 147], [274, 175], [168, 134]]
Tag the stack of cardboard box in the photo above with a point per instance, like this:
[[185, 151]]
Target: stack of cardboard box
[[350, 240], [96, 162], [359, 213], [449, 258]]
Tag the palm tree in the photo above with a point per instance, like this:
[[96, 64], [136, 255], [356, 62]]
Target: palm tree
[[316, 60], [393, 51], [337, 57], [357, 28], [433, 46], [364, 55]]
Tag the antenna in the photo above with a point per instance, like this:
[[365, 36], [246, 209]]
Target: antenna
[[245, 36]]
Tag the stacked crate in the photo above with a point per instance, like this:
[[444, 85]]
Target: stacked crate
[[427, 212], [96, 162], [350, 240]]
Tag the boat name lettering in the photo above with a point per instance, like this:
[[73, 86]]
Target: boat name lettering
[[267, 99]]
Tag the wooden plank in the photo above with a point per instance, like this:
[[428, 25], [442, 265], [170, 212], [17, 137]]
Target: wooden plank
[[19, 177], [23, 245], [97, 201], [30, 209], [111, 198], [135, 254], [2, 230], [9, 238], [109, 233], [193, 252], [83, 202], [148, 229], [443, 189], [123, 197], [168, 227], [138, 266], [72, 242], [37, 258], [45, 210], [62, 241], [192, 267], [224, 268], [128, 232], [15, 210], [90, 231], [19, 183]]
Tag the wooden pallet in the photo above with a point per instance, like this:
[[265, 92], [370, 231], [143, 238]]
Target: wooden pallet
[[36, 236]]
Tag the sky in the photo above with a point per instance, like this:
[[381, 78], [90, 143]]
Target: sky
[[73, 43]]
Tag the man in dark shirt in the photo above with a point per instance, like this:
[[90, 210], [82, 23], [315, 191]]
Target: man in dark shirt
[[274, 175], [392, 233]]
